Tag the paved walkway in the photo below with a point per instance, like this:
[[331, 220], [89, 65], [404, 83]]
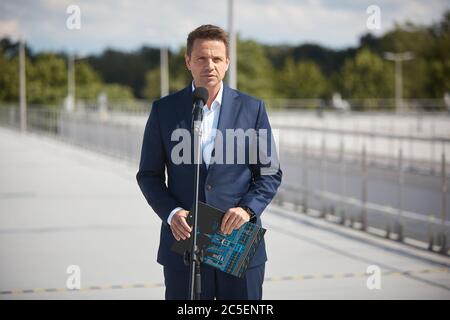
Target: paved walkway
[[61, 205]]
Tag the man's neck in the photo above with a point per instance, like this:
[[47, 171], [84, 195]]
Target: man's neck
[[212, 94]]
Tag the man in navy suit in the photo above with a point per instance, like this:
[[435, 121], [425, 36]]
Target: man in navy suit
[[241, 188]]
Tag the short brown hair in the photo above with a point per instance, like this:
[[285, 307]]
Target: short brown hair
[[209, 32]]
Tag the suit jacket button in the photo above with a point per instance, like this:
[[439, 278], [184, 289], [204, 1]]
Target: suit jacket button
[[209, 187]]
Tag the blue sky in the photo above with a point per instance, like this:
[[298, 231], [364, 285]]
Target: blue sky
[[127, 24]]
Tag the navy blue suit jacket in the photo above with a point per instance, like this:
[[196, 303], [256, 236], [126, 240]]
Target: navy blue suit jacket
[[222, 185]]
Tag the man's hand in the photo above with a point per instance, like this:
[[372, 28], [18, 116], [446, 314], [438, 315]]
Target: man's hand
[[178, 225], [234, 218]]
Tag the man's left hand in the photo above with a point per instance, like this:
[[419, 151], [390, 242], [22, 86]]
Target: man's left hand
[[234, 218]]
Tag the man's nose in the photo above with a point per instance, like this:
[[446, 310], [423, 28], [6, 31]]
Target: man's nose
[[210, 64]]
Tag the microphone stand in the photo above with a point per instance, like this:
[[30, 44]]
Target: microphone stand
[[195, 256]]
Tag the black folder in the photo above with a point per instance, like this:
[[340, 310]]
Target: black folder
[[230, 253]]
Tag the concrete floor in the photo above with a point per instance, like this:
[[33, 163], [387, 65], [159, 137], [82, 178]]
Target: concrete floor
[[61, 205]]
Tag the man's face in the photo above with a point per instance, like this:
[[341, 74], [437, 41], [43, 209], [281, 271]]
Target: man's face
[[208, 62]]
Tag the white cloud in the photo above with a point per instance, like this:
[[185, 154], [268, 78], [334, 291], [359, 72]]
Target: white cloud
[[290, 22], [129, 24], [9, 28]]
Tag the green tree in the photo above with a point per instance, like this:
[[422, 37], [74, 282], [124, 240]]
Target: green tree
[[367, 76], [301, 80], [46, 79], [152, 89], [117, 92], [179, 75], [88, 82], [438, 74], [89, 85], [255, 74], [417, 40], [9, 78]]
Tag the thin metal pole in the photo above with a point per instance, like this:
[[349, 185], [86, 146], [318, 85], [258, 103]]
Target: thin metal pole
[[398, 86], [444, 190], [195, 254], [71, 83], [364, 189], [400, 195], [23, 90], [398, 58], [411, 146], [372, 138], [343, 182], [298, 193], [232, 72], [305, 177], [324, 178], [444, 204], [164, 74], [433, 134]]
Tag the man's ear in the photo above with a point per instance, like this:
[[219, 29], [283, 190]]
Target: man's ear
[[187, 61], [228, 64]]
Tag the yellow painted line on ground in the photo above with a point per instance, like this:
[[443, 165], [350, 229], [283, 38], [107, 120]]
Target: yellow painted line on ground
[[270, 279], [355, 274]]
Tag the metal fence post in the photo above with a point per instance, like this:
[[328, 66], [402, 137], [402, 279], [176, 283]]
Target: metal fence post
[[129, 144], [323, 180], [411, 146], [399, 222], [443, 240], [298, 191], [364, 190], [430, 232], [305, 177], [341, 211], [432, 146], [372, 138], [391, 133]]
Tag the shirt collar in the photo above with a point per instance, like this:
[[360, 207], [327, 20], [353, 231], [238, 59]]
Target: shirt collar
[[217, 101]]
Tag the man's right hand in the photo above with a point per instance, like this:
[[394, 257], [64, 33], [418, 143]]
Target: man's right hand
[[178, 225]]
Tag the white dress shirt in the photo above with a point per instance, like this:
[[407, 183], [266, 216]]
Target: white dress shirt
[[209, 129]]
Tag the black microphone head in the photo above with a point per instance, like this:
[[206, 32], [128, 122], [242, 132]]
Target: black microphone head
[[200, 93]]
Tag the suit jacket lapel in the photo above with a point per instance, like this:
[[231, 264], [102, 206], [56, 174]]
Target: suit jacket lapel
[[185, 121], [185, 112], [229, 111]]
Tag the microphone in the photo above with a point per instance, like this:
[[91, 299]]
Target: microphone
[[200, 97]]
